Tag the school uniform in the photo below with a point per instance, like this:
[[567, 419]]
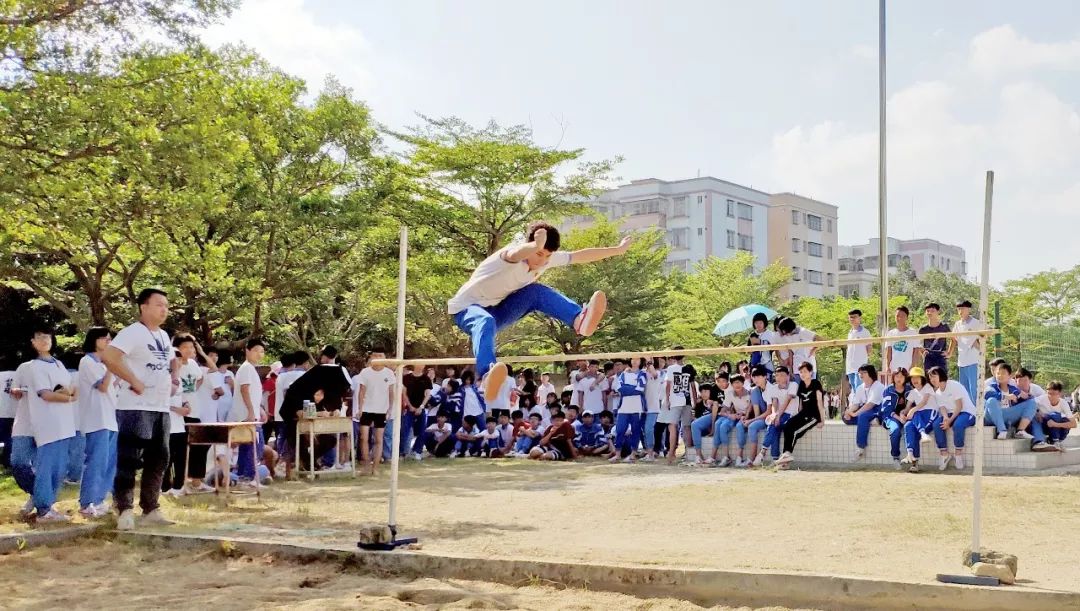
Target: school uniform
[[922, 421], [97, 420], [808, 416], [23, 448], [55, 424], [893, 401], [856, 356], [7, 416], [760, 406], [462, 446], [631, 395], [1005, 413], [438, 440], [1057, 413], [864, 395], [947, 398], [775, 429], [967, 355], [738, 405], [589, 436]]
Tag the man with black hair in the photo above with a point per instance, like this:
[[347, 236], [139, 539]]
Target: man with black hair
[[680, 395], [968, 349], [141, 355], [247, 407], [900, 353], [557, 442], [374, 402], [856, 355], [935, 352]]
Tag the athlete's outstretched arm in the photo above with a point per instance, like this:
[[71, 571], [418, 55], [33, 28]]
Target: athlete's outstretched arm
[[588, 255]]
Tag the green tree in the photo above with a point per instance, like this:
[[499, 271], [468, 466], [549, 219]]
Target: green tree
[[1049, 297]]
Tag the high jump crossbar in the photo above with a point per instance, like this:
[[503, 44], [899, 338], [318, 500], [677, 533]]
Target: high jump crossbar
[[717, 350]]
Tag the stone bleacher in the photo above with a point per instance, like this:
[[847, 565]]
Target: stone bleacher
[[834, 446]]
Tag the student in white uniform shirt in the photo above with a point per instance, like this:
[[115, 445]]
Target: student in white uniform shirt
[[544, 389], [654, 388], [864, 409], [589, 392], [52, 396], [98, 392], [23, 450], [680, 394], [186, 478], [299, 363], [900, 353], [857, 354], [374, 399], [957, 412], [791, 333], [247, 407], [1028, 389], [969, 349], [783, 401], [1054, 415], [921, 415]]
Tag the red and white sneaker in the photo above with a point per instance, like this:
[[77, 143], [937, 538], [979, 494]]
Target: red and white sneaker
[[494, 381], [591, 315]]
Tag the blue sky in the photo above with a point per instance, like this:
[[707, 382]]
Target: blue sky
[[780, 95]]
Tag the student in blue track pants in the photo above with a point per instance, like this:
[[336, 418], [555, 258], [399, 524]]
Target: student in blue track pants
[[759, 403], [1054, 414], [921, 413], [957, 412], [784, 405], [894, 405], [864, 408]]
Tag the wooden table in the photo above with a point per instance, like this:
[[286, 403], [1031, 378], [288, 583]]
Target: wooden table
[[224, 433], [327, 425]]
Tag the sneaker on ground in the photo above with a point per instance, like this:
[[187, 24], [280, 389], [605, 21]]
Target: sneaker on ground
[[591, 315], [1002, 436], [454, 454], [1059, 446], [203, 487], [785, 458], [725, 461], [175, 493], [944, 462], [126, 521], [614, 459], [958, 461], [909, 459], [27, 509], [648, 458], [1042, 446], [156, 518], [629, 459], [914, 468], [494, 380], [53, 516], [418, 456], [899, 465], [1024, 435], [859, 453], [757, 459], [70, 482], [89, 512]]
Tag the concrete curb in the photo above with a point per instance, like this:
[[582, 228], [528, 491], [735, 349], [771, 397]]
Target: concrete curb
[[706, 587], [14, 542]]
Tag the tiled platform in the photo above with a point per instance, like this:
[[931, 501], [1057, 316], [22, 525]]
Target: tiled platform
[[834, 445]]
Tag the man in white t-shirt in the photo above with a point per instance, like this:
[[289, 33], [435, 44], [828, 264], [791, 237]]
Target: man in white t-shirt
[[589, 392], [141, 355], [680, 394], [1054, 414], [900, 352], [864, 409], [182, 412], [503, 289], [297, 363], [545, 388], [857, 354], [969, 349], [791, 333], [374, 396], [246, 407]]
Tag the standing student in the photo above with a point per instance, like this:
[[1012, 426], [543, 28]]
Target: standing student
[[97, 419], [894, 409], [544, 389], [246, 407], [899, 353], [680, 393], [857, 354], [191, 379], [921, 415], [755, 425], [935, 352], [957, 412], [783, 401], [294, 366], [791, 333], [504, 289], [374, 398], [52, 396], [474, 404], [1054, 415], [811, 413], [630, 385], [864, 408], [653, 390], [23, 450], [141, 356], [417, 389], [736, 410], [968, 349], [589, 389]]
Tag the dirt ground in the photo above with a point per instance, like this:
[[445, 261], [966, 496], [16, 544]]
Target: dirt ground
[[102, 575], [869, 523]]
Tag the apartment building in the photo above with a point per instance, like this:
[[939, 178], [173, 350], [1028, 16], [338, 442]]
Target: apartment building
[[859, 264], [803, 235]]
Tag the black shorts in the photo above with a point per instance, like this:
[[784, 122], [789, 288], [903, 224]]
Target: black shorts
[[373, 419], [553, 451]]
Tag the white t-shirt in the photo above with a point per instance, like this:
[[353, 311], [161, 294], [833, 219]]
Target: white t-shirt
[[223, 404], [23, 426], [190, 373], [680, 385], [740, 403], [966, 354], [205, 409], [654, 389], [1044, 407], [495, 278], [148, 355], [927, 391], [97, 410], [502, 397], [592, 399], [611, 387], [545, 413], [857, 354], [7, 402], [472, 405], [775, 393], [543, 391], [440, 432], [52, 421], [630, 404], [768, 337], [377, 385], [954, 391], [801, 355], [902, 350], [1035, 391], [176, 421], [873, 394], [246, 375]]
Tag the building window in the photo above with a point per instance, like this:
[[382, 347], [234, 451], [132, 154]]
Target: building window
[[679, 238], [700, 199], [794, 217], [796, 245], [894, 260], [813, 222], [847, 265], [796, 274], [746, 212], [830, 253], [932, 262], [731, 208], [830, 279], [813, 249], [948, 264], [813, 276], [700, 231], [678, 206], [730, 239], [746, 242], [649, 207], [828, 226]]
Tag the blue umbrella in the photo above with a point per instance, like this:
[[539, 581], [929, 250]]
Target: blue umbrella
[[741, 319]]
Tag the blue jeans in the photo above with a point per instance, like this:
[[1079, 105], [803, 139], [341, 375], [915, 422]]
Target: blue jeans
[[722, 432], [482, 323], [896, 430], [621, 422], [419, 425], [100, 467], [649, 423], [959, 426], [862, 423], [23, 455], [524, 444], [699, 427], [1004, 417], [920, 423], [246, 456], [969, 379], [50, 467], [76, 457], [751, 431], [774, 435], [1053, 435]]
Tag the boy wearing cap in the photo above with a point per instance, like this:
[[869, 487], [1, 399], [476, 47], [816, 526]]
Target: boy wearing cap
[[969, 348]]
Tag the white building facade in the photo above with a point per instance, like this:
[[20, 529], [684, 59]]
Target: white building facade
[[859, 265]]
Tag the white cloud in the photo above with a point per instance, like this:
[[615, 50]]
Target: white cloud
[[1002, 50], [865, 51], [287, 35]]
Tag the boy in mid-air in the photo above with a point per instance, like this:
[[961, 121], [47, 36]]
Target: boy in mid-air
[[504, 289]]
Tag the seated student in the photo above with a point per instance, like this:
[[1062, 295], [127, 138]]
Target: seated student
[[894, 409], [993, 367], [706, 413], [751, 427], [529, 436], [811, 413], [517, 423], [566, 398], [491, 439], [736, 409], [468, 438], [783, 404], [438, 438], [589, 437], [956, 411], [1054, 415], [506, 437], [607, 425], [448, 399], [1028, 388], [1005, 408], [557, 442], [921, 414], [546, 408], [864, 407], [571, 414]]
